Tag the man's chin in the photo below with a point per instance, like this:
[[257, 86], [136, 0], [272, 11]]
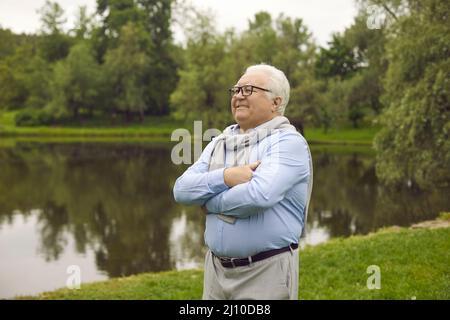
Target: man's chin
[[240, 120]]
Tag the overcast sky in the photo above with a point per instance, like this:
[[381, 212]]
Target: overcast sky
[[322, 17]]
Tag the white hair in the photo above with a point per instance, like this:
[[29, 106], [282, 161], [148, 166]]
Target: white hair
[[278, 83]]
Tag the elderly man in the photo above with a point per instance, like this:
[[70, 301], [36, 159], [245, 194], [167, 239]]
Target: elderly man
[[254, 182]]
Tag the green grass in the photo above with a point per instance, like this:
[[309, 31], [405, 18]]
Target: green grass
[[162, 127], [444, 216], [170, 285], [7, 120], [11, 142], [413, 264], [343, 149], [360, 136], [150, 127]]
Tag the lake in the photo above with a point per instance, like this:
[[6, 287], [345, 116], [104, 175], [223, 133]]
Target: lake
[[108, 209]]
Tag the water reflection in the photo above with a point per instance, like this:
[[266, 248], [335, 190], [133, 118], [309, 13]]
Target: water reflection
[[347, 198], [113, 203]]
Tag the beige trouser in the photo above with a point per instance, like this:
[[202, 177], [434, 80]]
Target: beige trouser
[[274, 278]]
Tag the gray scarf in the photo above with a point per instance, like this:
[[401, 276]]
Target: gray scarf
[[239, 146]]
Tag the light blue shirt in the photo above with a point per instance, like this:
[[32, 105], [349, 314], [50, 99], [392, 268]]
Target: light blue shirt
[[270, 207]]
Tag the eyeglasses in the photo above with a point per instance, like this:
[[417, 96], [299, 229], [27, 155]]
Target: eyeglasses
[[246, 90]]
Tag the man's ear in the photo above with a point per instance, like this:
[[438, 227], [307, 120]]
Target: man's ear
[[276, 103]]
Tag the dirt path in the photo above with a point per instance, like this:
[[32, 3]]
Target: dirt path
[[432, 224]]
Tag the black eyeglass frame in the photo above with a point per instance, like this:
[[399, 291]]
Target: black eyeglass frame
[[240, 89]]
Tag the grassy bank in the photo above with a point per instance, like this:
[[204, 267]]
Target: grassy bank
[[413, 265], [158, 128], [360, 136], [150, 127]]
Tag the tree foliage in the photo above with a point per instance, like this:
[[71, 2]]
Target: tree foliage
[[125, 67], [122, 59], [414, 145], [75, 84], [201, 93], [55, 44]]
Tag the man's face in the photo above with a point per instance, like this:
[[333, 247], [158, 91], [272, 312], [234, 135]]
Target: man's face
[[253, 110]]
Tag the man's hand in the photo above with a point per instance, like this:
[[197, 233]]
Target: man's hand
[[237, 175]]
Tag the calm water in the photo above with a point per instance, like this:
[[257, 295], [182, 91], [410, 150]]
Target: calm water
[[108, 208]]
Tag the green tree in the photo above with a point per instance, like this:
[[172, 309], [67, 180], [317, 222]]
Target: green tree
[[75, 84], [214, 62], [162, 73], [295, 56], [113, 14], [52, 18], [339, 60], [54, 44], [201, 92], [152, 17], [16, 54], [36, 78], [352, 69], [414, 145], [262, 38], [84, 23], [9, 42], [369, 47], [10, 90], [125, 68], [26, 79]]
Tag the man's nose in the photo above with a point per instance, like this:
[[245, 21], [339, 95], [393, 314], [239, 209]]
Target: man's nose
[[237, 98], [240, 94]]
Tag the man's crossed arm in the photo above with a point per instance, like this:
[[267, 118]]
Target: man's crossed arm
[[243, 190], [236, 175]]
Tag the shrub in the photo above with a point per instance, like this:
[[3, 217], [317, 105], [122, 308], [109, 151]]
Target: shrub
[[32, 117]]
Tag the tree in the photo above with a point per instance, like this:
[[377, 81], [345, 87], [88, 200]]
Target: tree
[[113, 15], [414, 146], [353, 68], [295, 57], [125, 68], [75, 84], [162, 74], [83, 24], [296, 49], [339, 60], [19, 70], [52, 18], [9, 42], [215, 62], [54, 44], [152, 17], [36, 77], [306, 104], [369, 47], [11, 91], [261, 37], [204, 77]]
